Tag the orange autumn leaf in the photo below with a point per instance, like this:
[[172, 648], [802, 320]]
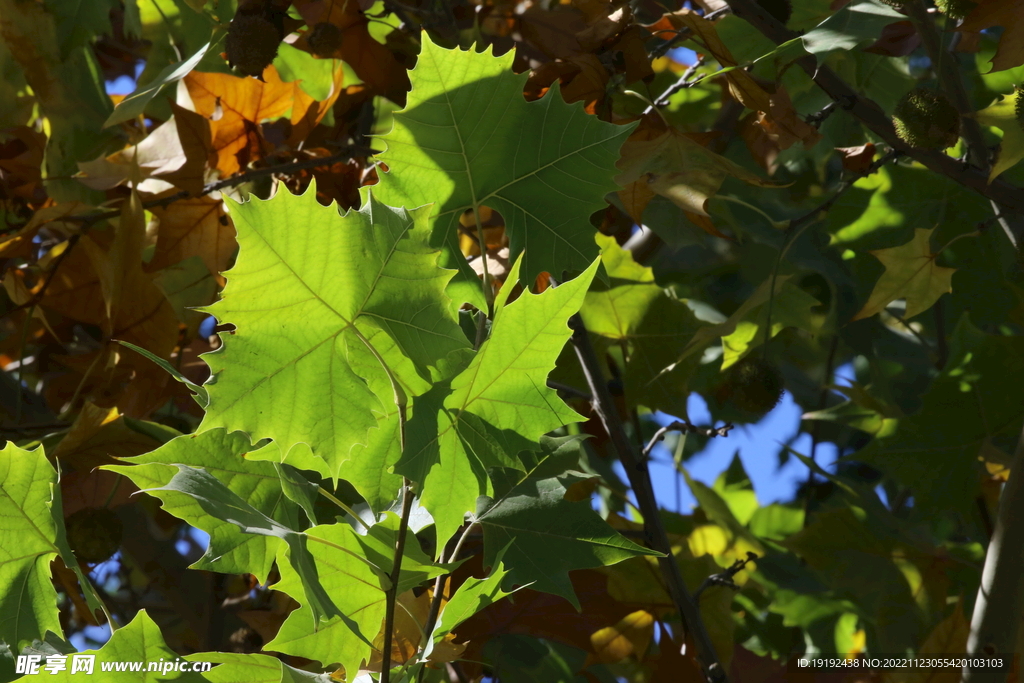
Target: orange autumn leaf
[[235, 106]]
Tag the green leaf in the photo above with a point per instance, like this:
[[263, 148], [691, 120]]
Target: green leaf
[[220, 502], [858, 564], [28, 601], [911, 273], [80, 22], [472, 596], [357, 590], [468, 138], [253, 668], [791, 307], [139, 641], [653, 326], [978, 398], [201, 395], [734, 487], [221, 455], [720, 512], [853, 25], [495, 408], [317, 313], [135, 104], [534, 519]]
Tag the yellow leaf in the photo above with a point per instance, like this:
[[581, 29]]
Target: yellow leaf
[[1002, 115], [631, 635], [910, 273]]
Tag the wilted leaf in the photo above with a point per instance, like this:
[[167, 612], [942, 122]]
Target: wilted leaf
[[672, 165], [1010, 15], [194, 227]]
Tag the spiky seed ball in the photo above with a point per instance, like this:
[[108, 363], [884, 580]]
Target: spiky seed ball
[[324, 39], [94, 534], [754, 385], [955, 9], [252, 43], [926, 120], [1018, 106], [782, 10]]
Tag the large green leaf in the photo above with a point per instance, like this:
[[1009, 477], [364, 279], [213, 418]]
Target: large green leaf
[[221, 503], [548, 535], [468, 138], [125, 658], [258, 483], [28, 601], [356, 589], [303, 301], [495, 408]]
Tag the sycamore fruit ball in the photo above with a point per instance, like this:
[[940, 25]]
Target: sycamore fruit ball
[[925, 119], [754, 385], [324, 39], [94, 534], [955, 9], [252, 43]]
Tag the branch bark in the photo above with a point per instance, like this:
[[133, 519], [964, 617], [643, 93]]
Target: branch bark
[[876, 120], [997, 611], [640, 481]]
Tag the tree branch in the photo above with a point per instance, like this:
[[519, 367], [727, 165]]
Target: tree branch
[[640, 481], [998, 608], [946, 66], [686, 428], [876, 120]]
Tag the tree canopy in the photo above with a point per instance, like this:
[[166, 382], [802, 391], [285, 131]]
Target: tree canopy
[[341, 339]]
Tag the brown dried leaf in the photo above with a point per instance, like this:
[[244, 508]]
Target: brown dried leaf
[[1010, 15], [857, 159], [676, 167], [194, 227], [784, 125]]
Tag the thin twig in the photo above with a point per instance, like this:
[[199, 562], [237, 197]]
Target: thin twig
[[685, 81], [440, 584], [725, 578], [640, 480], [686, 428], [391, 596]]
